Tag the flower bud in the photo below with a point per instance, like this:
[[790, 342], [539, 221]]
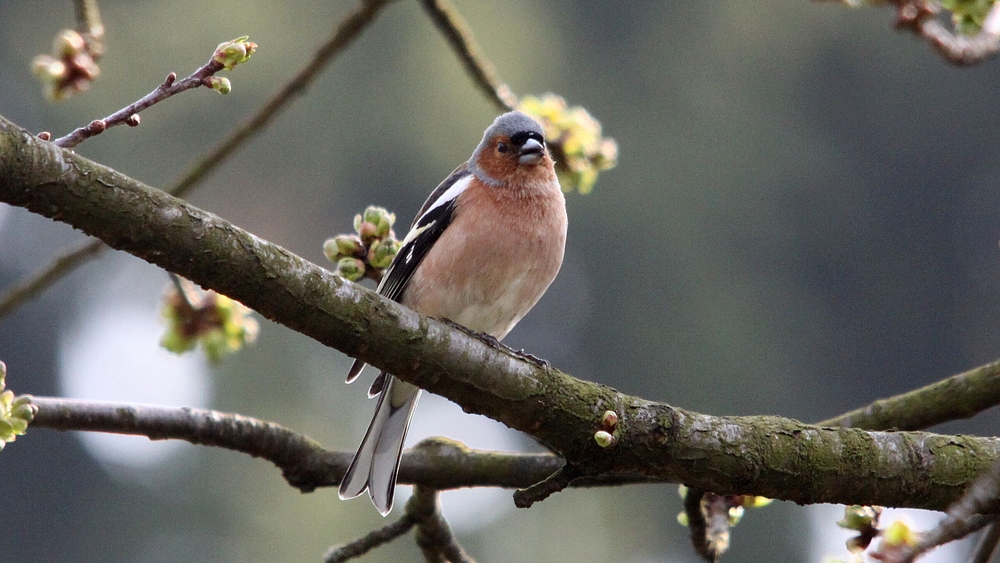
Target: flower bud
[[350, 269], [232, 53], [48, 68], [381, 218], [899, 533], [68, 43], [348, 245], [609, 420], [382, 253], [368, 231], [604, 439], [219, 84], [6, 431], [330, 250], [24, 412], [859, 518]]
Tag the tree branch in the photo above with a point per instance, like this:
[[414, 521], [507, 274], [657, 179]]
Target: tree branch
[[960, 396], [343, 35], [433, 534], [765, 456], [88, 23], [435, 462], [370, 541], [459, 36], [63, 264]]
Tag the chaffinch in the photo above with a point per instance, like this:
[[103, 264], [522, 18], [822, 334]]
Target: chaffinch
[[483, 249]]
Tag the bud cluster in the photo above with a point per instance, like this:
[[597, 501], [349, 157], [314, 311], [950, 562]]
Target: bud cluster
[[370, 251], [228, 55], [220, 324], [69, 69], [574, 137], [736, 505], [968, 16], [16, 412]]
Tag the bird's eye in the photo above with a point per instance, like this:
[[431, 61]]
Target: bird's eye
[[502, 146]]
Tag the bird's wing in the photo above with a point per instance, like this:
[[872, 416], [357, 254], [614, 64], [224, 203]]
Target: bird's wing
[[434, 217]]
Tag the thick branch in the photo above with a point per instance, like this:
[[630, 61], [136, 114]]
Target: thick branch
[[767, 456]]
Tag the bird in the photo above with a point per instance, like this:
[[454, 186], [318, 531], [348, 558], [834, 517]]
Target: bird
[[481, 251]]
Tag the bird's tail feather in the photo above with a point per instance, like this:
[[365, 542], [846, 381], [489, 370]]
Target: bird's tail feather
[[375, 465]]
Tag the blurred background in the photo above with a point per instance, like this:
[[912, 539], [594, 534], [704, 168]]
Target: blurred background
[[804, 219]]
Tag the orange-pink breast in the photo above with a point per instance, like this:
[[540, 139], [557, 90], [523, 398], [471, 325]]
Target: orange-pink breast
[[492, 264]]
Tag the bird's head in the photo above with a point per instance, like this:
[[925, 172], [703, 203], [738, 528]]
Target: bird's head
[[513, 151]]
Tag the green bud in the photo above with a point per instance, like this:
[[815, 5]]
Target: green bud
[[177, 343], [604, 439], [18, 426], [374, 214], [6, 401], [381, 254], [859, 518], [682, 519], [350, 269], [348, 245], [330, 250], [232, 53], [6, 431], [220, 84], [899, 533], [3, 375], [24, 412]]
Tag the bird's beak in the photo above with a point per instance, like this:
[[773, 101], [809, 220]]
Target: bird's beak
[[531, 152]]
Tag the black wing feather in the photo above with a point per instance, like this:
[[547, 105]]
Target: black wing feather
[[434, 222], [398, 275]]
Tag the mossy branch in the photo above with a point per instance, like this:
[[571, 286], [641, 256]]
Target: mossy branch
[[762, 455]]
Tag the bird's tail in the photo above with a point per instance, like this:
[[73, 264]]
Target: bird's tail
[[374, 466]]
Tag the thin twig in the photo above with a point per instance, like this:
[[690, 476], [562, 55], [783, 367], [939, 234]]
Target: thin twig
[[88, 23], [975, 510], [303, 462], [433, 534], [459, 36], [129, 114], [987, 545], [370, 541], [63, 264], [346, 31], [436, 462], [542, 490]]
